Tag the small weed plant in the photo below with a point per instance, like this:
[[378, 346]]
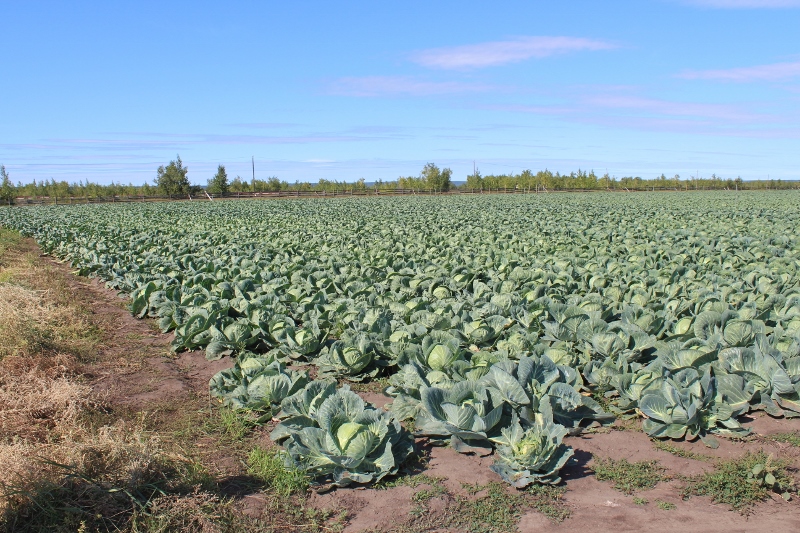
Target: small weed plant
[[742, 483], [269, 467], [629, 477]]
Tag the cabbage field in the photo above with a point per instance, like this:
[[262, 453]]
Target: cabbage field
[[497, 324]]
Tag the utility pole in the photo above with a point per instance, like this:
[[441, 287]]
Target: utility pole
[[253, 160]]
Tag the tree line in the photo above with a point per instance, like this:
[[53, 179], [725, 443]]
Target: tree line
[[172, 181]]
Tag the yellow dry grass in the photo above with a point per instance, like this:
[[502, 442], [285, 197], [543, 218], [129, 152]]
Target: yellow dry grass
[[39, 407], [49, 449], [32, 324], [60, 468]]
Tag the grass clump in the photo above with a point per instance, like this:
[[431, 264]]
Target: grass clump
[[500, 509], [640, 501], [375, 386], [628, 477], [666, 446], [547, 499], [792, 438], [741, 483], [268, 466], [413, 481], [490, 508], [231, 426], [433, 488], [666, 506]]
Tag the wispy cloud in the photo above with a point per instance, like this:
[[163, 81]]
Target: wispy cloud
[[503, 52], [626, 108], [773, 72], [401, 86], [626, 105], [670, 108], [744, 4], [266, 125], [177, 141]]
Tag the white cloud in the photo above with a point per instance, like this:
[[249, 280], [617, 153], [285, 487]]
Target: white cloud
[[400, 86], [773, 72], [503, 52]]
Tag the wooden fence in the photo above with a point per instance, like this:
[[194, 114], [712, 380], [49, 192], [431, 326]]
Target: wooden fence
[[336, 193]]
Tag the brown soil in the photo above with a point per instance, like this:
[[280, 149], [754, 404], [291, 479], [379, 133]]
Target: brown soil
[[135, 366], [136, 371]]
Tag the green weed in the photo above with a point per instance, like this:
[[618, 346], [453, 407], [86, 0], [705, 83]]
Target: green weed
[[792, 438], [666, 506], [268, 467], [628, 477], [498, 511], [231, 425], [375, 386], [741, 483], [547, 499], [666, 446]]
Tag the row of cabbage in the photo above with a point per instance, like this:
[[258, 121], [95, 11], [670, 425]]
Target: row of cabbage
[[683, 309], [337, 438]]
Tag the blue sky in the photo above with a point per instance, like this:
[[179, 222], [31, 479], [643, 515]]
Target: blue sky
[[109, 90]]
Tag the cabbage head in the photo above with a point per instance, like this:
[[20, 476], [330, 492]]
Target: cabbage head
[[532, 454], [257, 384], [354, 358], [468, 413], [686, 404], [352, 442]]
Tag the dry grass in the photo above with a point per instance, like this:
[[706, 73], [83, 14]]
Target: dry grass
[[56, 472], [199, 512], [39, 314], [33, 324], [70, 461], [39, 408], [92, 479]]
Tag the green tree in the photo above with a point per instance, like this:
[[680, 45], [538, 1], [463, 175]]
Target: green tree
[[275, 185], [475, 180], [171, 180], [6, 187], [239, 185], [438, 180], [219, 183]]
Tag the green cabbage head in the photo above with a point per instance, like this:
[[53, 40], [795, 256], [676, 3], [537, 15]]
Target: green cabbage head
[[353, 442], [256, 383], [534, 454]]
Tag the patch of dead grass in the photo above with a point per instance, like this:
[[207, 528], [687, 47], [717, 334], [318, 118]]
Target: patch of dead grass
[[32, 324], [199, 512], [40, 408], [91, 479]]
